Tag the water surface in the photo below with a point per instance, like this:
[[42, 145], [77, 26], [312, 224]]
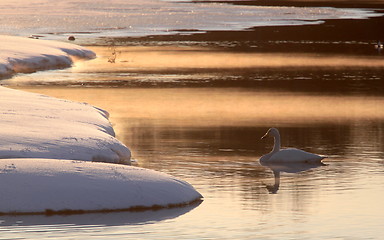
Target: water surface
[[204, 126]]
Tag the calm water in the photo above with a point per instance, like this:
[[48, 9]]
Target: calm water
[[203, 124]]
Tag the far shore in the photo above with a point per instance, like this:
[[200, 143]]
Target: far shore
[[345, 36], [308, 3]]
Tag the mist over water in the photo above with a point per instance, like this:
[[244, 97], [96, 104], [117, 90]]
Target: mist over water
[[198, 66]]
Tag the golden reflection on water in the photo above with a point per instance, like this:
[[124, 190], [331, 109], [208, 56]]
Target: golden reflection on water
[[219, 106], [187, 57], [223, 106]]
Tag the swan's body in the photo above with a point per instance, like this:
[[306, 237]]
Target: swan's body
[[289, 155]]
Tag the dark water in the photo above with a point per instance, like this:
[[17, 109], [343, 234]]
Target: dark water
[[204, 126]]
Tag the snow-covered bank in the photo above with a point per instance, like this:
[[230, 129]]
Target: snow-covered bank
[[50, 186], [38, 126], [24, 55], [45, 144]]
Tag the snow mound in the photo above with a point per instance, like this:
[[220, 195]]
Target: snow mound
[[38, 126], [25, 55], [38, 132], [46, 186]]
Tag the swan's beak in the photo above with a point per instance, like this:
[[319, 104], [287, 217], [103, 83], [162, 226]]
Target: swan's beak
[[265, 136]]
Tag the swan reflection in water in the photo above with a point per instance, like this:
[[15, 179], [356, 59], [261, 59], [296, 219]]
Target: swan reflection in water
[[277, 168]]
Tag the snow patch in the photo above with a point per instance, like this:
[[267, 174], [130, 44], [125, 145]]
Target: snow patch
[[25, 55], [38, 132], [38, 186], [38, 126]]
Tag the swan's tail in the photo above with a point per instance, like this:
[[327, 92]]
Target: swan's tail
[[318, 160]]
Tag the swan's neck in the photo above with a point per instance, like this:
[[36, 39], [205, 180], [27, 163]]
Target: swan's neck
[[276, 146]]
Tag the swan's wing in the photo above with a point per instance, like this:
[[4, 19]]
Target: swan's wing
[[294, 155], [265, 158]]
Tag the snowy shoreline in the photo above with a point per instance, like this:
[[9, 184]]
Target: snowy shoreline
[[38, 126], [46, 186], [49, 147], [26, 55]]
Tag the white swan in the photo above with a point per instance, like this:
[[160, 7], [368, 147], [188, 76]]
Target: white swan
[[288, 155]]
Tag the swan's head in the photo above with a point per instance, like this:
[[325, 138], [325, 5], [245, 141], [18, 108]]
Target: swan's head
[[272, 132]]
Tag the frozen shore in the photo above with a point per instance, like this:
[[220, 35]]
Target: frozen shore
[[46, 186], [38, 126], [49, 146], [26, 55]]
